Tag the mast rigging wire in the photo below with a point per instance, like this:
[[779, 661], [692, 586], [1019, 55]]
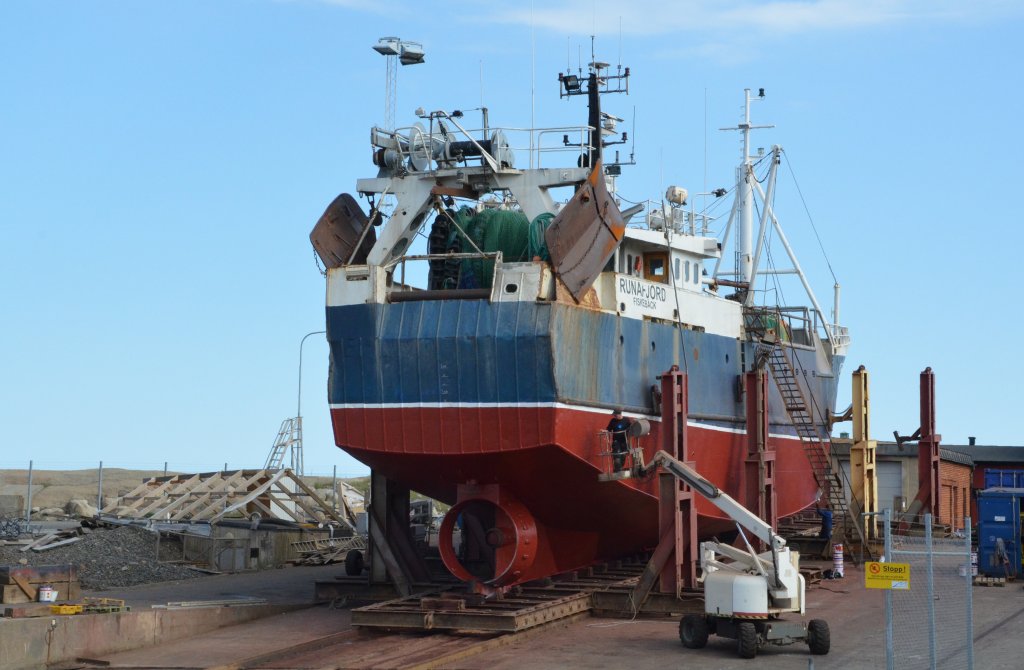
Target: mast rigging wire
[[809, 217]]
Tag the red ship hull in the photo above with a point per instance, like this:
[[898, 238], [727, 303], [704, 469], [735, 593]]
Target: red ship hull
[[548, 459]]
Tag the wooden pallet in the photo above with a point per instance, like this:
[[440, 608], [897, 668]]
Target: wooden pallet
[[522, 608]]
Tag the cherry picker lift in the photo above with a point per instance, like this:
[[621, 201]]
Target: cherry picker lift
[[745, 592]]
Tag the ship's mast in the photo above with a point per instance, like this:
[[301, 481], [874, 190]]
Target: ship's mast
[[745, 196]]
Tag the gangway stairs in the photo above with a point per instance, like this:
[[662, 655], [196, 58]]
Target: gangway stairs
[[817, 444], [289, 439]]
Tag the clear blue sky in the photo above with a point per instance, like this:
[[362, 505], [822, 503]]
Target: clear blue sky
[[161, 165]]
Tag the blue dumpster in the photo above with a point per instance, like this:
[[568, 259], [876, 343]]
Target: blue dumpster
[[999, 519]]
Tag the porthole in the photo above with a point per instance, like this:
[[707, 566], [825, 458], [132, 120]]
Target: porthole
[[622, 340], [511, 288]]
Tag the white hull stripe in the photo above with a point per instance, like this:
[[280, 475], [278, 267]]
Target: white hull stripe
[[538, 405]]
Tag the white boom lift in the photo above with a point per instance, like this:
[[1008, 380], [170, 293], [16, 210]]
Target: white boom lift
[[745, 593]]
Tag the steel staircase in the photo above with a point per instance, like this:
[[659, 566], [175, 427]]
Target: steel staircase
[[289, 439], [817, 444]]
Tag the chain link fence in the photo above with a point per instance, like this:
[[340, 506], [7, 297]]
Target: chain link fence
[[930, 622]]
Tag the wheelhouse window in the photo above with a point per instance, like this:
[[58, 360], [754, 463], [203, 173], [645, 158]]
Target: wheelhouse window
[[656, 267]]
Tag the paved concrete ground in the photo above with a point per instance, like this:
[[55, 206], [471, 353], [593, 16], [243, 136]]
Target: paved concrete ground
[[856, 616], [284, 586]]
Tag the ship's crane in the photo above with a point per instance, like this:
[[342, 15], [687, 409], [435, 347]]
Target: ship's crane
[[745, 592]]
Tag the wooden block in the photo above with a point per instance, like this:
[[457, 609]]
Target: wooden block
[[27, 611], [12, 594]]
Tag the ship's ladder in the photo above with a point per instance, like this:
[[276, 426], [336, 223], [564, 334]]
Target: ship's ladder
[[817, 444]]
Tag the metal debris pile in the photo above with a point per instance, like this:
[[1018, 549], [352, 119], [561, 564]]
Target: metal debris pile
[[106, 558]]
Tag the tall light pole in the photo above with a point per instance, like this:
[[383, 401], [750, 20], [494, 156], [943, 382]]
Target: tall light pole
[[297, 461], [396, 51], [298, 410]]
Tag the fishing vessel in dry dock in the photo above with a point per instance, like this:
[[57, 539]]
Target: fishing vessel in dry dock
[[488, 385]]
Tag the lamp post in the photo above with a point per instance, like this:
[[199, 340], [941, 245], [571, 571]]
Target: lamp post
[[297, 461], [396, 51], [298, 409]]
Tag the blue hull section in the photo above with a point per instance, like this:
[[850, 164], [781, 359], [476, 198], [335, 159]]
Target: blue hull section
[[471, 352]]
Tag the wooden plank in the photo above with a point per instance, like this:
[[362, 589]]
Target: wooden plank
[[39, 574], [49, 537], [450, 604], [30, 591], [61, 543]]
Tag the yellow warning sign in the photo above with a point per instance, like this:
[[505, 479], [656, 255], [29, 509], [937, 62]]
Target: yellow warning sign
[[887, 576]]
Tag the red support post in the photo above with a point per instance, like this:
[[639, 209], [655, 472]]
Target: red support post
[[928, 448], [758, 482], [677, 514]]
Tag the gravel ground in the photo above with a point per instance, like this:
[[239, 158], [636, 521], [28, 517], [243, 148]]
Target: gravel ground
[[107, 558]]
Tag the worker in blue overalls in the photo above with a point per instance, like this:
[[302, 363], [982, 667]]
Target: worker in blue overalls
[[618, 426]]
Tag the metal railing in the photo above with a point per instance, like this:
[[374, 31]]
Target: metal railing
[[573, 141], [400, 289]]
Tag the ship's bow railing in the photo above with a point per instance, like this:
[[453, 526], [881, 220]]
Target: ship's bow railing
[[795, 325]]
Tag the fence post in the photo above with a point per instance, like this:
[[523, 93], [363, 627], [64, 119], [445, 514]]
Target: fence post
[[890, 652], [28, 497], [165, 468], [99, 489], [931, 589], [970, 595]]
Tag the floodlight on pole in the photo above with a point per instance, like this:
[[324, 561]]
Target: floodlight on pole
[[396, 51]]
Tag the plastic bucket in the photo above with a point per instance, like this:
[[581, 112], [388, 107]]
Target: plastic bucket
[[837, 559], [47, 594]]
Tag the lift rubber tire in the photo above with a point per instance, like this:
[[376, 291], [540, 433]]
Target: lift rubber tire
[[746, 640], [354, 563], [693, 631], [818, 637]]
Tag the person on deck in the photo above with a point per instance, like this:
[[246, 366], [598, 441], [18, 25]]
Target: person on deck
[[618, 426]]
